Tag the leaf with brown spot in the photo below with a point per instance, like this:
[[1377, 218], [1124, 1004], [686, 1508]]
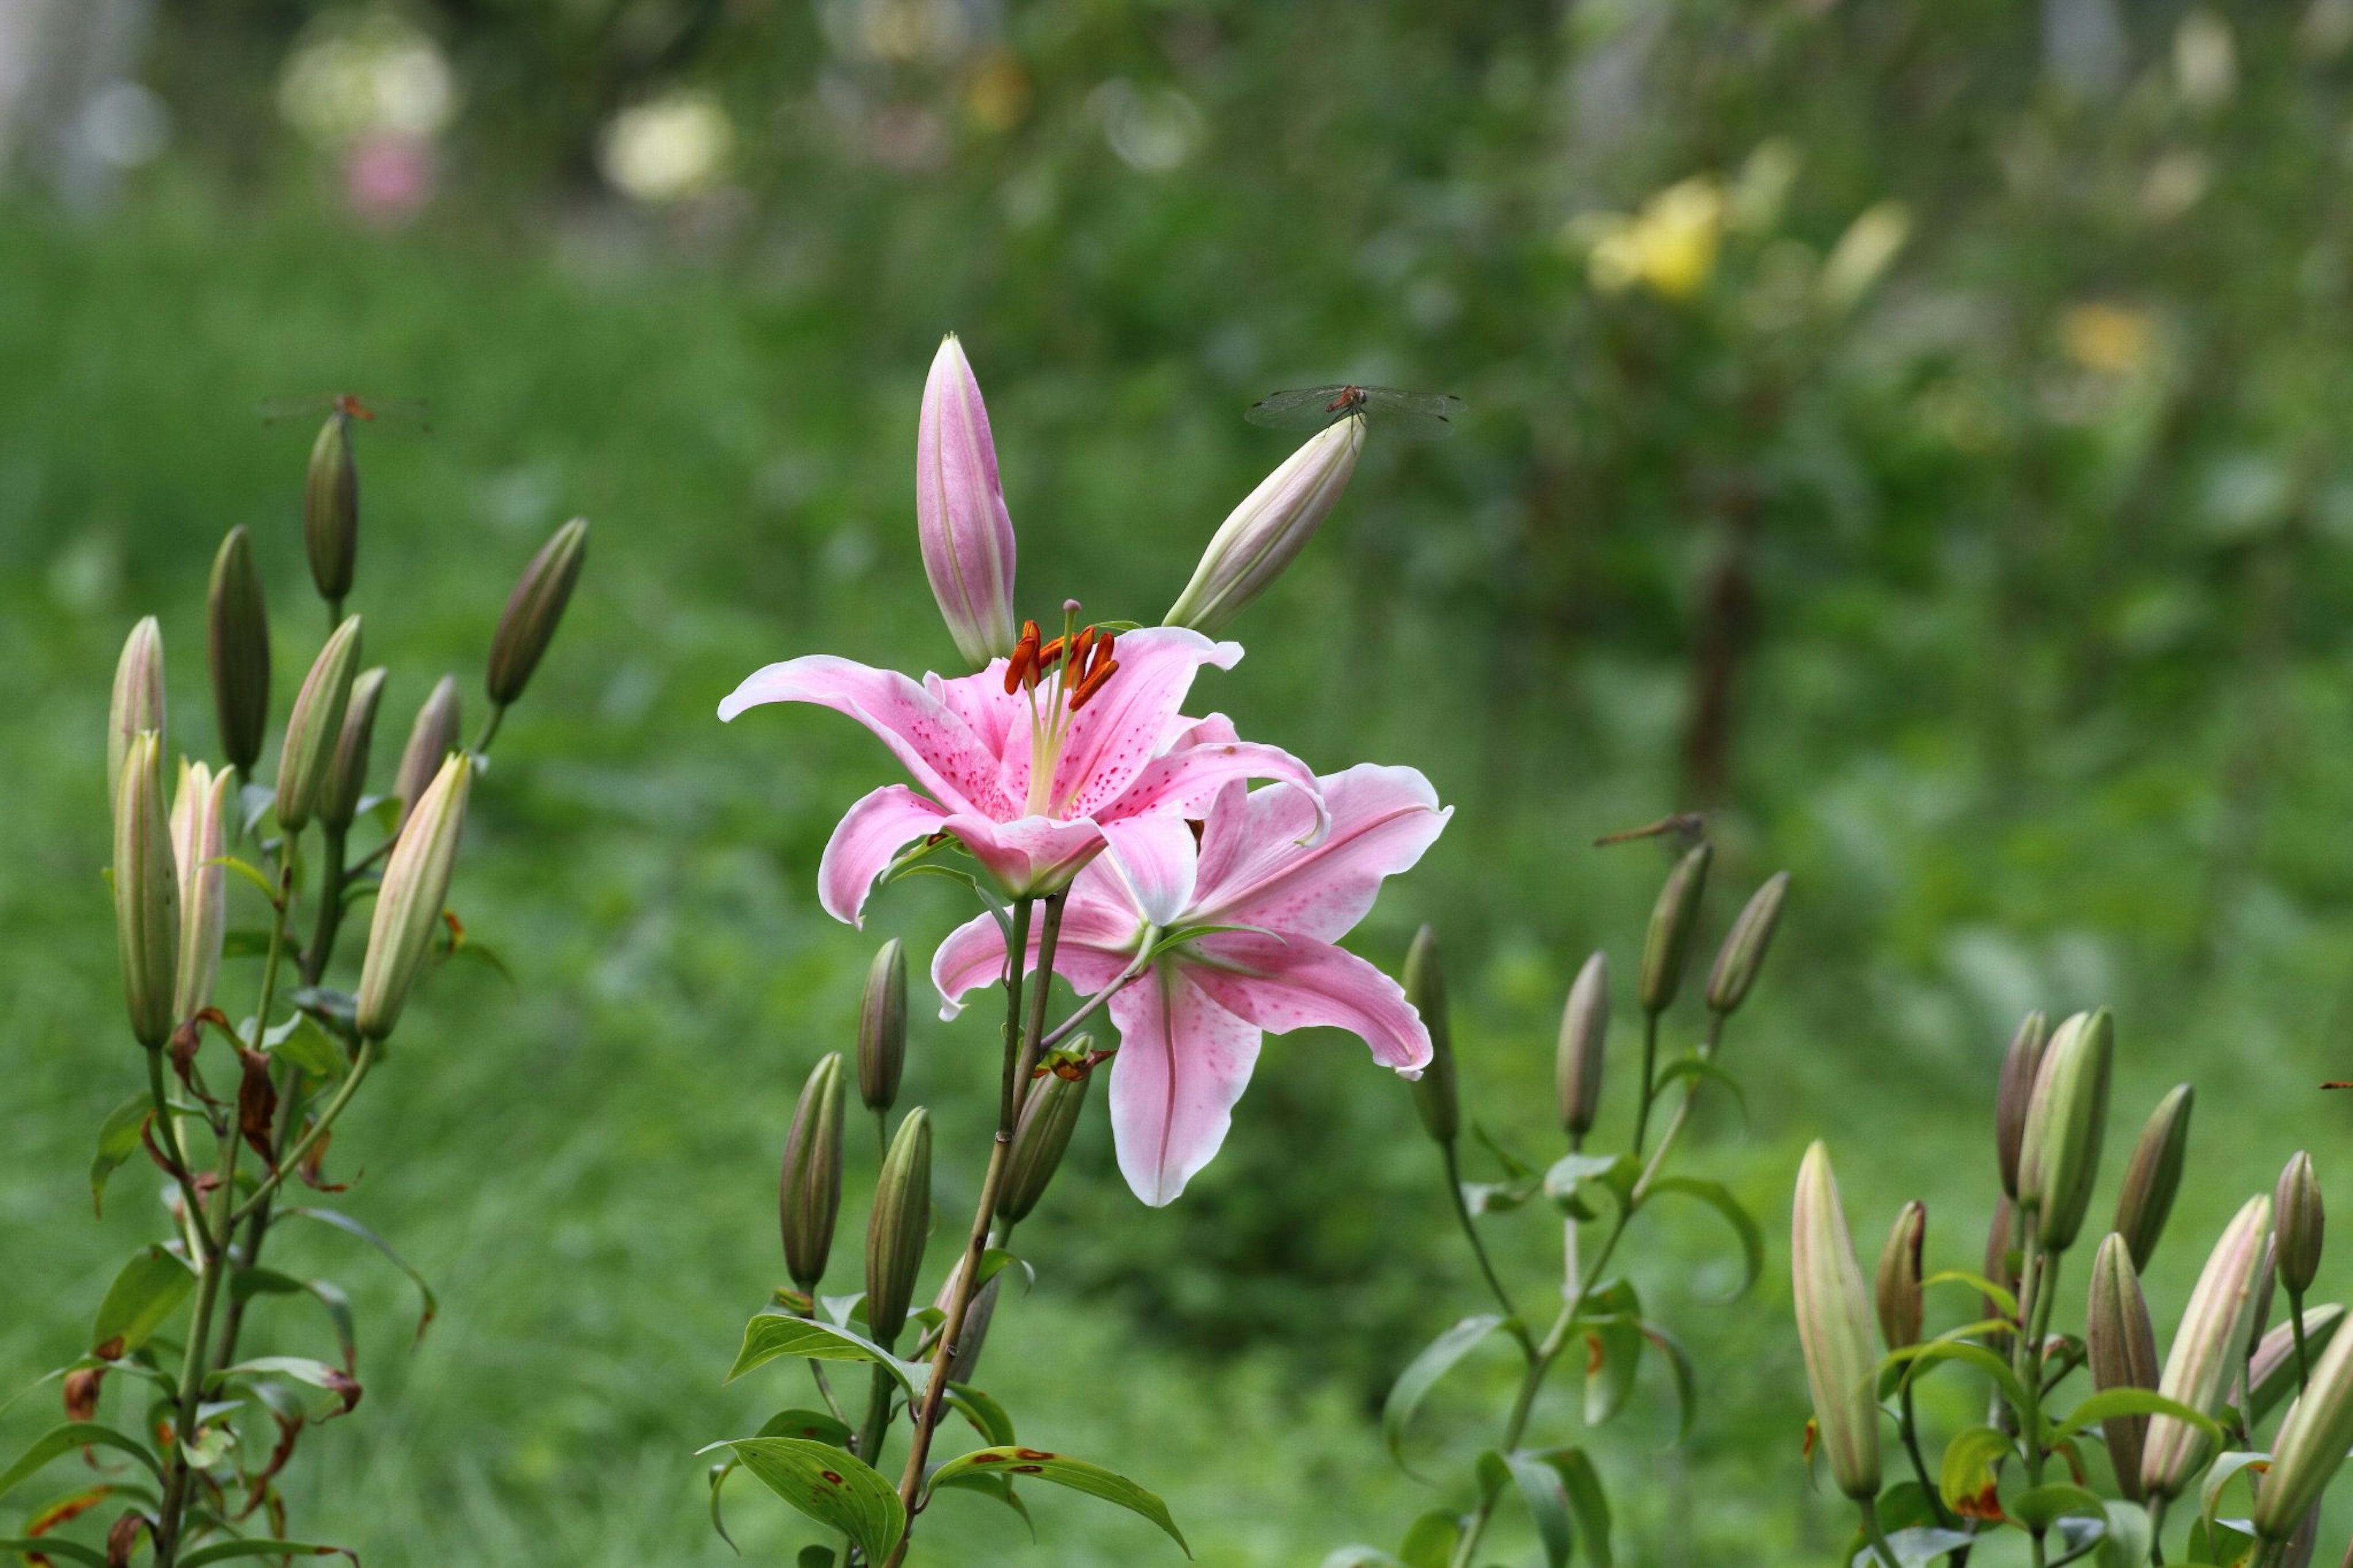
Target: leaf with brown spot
[[971, 1471], [83, 1386], [313, 1168], [122, 1539], [67, 1509]]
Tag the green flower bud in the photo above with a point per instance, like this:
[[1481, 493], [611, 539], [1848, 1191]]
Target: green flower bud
[[2273, 1364], [2311, 1444], [431, 738], [314, 726], [2297, 1202], [1673, 917], [1743, 952], [200, 816], [2259, 1315], [339, 797], [2153, 1176], [146, 892], [809, 1187], [2121, 1345], [2019, 1065], [331, 510], [408, 902], [534, 610], [896, 1231], [882, 1028], [2059, 1155], [236, 631], [138, 702], [2206, 1350], [1897, 1296], [1834, 1328], [1267, 532], [1576, 1059], [1434, 1093], [1049, 1117]]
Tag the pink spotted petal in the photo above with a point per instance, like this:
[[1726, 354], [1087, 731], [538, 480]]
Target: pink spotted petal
[[1184, 783], [1261, 866], [1285, 986], [1028, 855], [865, 842], [1095, 943], [1126, 723], [1153, 858], [1183, 1062], [937, 747]]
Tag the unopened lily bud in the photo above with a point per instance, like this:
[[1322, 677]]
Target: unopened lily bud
[[1673, 917], [200, 814], [808, 1186], [1743, 952], [2297, 1203], [2000, 1248], [138, 702], [237, 633], [2273, 1365], [1048, 1119], [1834, 1328], [534, 610], [1267, 532], [1576, 1061], [146, 892], [331, 510], [882, 1028], [2019, 1064], [1897, 1295], [314, 725], [1434, 1093], [2059, 1156], [2153, 1176], [2207, 1349], [2259, 1313], [2121, 1345], [431, 738], [2311, 1443], [898, 1227], [408, 902], [339, 797], [960, 518]]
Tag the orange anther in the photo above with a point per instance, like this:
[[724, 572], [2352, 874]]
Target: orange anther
[[1048, 655], [1102, 650], [1103, 671], [1019, 667]]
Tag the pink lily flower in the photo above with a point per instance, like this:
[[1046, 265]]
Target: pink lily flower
[[1036, 764], [1191, 1022]]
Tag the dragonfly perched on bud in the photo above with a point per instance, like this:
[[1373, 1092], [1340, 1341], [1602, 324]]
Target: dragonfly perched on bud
[[1421, 415], [1680, 830], [392, 413]]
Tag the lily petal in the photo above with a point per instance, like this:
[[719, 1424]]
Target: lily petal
[[1153, 857], [1184, 783], [864, 843], [1256, 869], [1028, 855], [937, 745], [1118, 733], [1091, 953], [1183, 1062], [1282, 985]]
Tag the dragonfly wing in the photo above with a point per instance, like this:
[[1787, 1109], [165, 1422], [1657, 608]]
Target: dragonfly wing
[[1302, 408], [1423, 414]]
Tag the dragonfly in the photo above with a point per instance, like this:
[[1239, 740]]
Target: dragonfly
[[1682, 828], [403, 413], [1422, 416]]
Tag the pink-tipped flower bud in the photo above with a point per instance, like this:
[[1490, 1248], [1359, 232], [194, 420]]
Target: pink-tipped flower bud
[[200, 816], [339, 795], [410, 901], [960, 516], [431, 738], [1267, 532], [2153, 1176], [2208, 1347], [1834, 1328], [2019, 1064], [138, 702]]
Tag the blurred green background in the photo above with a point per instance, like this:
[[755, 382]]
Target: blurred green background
[[1915, 431]]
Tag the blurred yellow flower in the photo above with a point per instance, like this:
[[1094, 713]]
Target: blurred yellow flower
[[666, 148], [1864, 254], [1668, 247], [2113, 339]]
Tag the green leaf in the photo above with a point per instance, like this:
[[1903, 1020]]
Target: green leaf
[[1430, 1541], [1540, 1488], [1679, 1362], [221, 1551], [118, 1139], [1917, 1547], [2129, 1538], [1572, 1174], [1514, 1166], [1062, 1471], [2117, 1402], [1498, 1197], [246, 942], [1967, 1478], [814, 1557], [299, 1040], [1362, 1557], [1588, 1505], [995, 1260], [836, 1488], [338, 1007], [772, 1333], [2224, 1470], [247, 1283], [1699, 1070], [812, 1426], [1718, 1196], [1613, 1333], [51, 1546], [988, 1418], [1414, 1383], [141, 1300], [350, 1226], [65, 1439], [2003, 1301], [251, 873], [2044, 1506], [1945, 1347], [300, 1368]]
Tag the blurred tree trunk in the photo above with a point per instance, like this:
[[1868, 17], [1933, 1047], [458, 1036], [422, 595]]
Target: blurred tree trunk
[[1728, 616]]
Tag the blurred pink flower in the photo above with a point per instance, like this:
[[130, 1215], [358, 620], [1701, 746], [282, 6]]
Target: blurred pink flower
[[388, 178], [1190, 1024], [1035, 764]]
